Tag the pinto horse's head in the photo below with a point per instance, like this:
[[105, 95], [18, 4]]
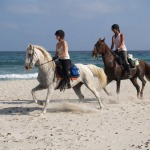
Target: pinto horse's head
[[98, 48], [31, 57]]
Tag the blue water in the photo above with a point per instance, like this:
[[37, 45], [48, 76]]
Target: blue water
[[12, 63]]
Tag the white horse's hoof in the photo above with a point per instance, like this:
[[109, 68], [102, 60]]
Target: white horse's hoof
[[102, 106], [42, 114]]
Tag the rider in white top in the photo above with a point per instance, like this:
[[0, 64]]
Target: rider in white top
[[121, 50], [64, 58], [117, 41], [63, 54]]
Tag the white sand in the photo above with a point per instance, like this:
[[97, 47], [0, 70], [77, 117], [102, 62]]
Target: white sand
[[123, 124]]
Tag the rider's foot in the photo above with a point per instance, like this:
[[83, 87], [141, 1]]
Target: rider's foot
[[60, 84], [68, 85]]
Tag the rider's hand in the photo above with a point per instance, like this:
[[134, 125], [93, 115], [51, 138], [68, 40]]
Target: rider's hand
[[54, 58], [117, 50]]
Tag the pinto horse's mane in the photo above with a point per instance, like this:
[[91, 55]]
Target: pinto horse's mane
[[44, 51]]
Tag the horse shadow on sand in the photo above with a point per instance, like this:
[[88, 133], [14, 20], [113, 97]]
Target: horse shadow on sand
[[57, 106]]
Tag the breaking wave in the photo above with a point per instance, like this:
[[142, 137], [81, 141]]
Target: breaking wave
[[19, 76]]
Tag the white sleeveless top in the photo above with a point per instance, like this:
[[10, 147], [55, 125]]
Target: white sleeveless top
[[61, 53], [117, 41]]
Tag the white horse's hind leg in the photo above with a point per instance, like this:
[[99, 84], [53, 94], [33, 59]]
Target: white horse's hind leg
[[49, 93], [98, 97], [93, 90], [37, 88], [77, 90]]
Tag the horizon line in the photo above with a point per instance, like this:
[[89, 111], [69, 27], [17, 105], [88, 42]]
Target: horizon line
[[70, 50]]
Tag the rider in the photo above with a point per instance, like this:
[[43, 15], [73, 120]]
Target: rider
[[121, 50], [63, 55]]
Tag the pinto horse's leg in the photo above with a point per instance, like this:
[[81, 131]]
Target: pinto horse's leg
[[77, 90], [134, 82], [143, 85], [98, 97], [49, 93], [37, 88]]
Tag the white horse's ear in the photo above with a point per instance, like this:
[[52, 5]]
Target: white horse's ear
[[30, 46]]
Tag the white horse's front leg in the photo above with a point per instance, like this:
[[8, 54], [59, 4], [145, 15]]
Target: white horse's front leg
[[49, 93], [37, 88]]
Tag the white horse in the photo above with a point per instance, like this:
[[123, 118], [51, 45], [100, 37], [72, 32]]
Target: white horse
[[37, 55]]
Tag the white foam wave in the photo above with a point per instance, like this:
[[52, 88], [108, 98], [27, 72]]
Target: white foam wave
[[19, 76]]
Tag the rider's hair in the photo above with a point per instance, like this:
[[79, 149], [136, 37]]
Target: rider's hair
[[60, 33], [115, 26]]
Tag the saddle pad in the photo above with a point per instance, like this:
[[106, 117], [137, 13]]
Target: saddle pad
[[60, 74]]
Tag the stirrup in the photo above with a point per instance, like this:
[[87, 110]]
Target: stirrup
[[68, 85], [59, 85]]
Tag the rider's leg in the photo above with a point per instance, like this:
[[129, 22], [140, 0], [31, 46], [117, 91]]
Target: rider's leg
[[125, 60], [65, 68]]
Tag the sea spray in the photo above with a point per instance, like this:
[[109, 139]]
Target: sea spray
[[73, 107]]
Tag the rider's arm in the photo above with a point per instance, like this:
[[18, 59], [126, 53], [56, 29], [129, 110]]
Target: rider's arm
[[56, 53], [112, 44], [122, 40], [65, 46]]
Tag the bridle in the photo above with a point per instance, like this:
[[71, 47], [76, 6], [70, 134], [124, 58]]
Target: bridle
[[31, 56], [31, 59], [97, 47], [102, 49]]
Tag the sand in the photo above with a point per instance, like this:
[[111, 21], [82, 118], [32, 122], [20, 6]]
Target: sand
[[70, 124]]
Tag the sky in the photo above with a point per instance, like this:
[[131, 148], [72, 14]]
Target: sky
[[24, 22]]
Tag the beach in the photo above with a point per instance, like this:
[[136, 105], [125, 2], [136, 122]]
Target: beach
[[70, 124]]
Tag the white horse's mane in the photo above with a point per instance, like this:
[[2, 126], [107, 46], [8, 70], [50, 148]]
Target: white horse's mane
[[44, 51]]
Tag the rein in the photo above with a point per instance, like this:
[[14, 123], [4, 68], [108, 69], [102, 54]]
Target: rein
[[39, 64], [44, 63]]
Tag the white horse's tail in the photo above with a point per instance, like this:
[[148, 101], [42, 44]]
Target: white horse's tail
[[99, 73]]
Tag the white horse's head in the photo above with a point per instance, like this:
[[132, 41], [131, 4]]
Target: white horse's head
[[36, 55], [31, 57]]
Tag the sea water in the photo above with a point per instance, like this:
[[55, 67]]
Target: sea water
[[12, 63]]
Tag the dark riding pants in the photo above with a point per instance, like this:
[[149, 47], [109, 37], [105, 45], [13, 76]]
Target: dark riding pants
[[65, 68], [124, 57]]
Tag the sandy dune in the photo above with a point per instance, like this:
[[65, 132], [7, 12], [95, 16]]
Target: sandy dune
[[70, 124]]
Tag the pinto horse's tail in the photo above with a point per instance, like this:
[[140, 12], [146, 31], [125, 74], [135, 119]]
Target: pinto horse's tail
[[147, 71], [99, 73]]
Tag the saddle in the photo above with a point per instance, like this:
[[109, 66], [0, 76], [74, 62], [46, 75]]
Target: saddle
[[73, 70], [133, 62]]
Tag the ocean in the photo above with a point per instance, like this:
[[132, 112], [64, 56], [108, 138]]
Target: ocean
[[12, 63]]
